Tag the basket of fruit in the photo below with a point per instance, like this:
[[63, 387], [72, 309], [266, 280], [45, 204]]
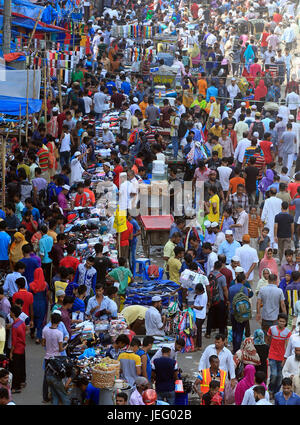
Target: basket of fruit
[[105, 373]]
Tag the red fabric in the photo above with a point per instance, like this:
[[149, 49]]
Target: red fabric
[[260, 91], [266, 148], [60, 119], [26, 296], [92, 195], [277, 18], [277, 347], [265, 35], [69, 262], [292, 188], [29, 226], [9, 57], [228, 275], [82, 200], [117, 170], [18, 336], [126, 235], [194, 10], [39, 284]]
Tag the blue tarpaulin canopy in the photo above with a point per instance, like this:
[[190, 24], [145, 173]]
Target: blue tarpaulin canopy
[[11, 105], [27, 23], [23, 7]]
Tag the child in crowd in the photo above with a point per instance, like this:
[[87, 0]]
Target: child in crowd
[[263, 242]]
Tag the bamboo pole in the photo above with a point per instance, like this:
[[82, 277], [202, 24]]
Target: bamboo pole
[[59, 90], [27, 102], [3, 171], [34, 28]]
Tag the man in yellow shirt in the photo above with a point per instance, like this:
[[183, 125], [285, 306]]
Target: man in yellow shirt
[[170, 246], [215, 145], [215, 109], [216, 130], [174, 264], [143, 105], [213, 205]]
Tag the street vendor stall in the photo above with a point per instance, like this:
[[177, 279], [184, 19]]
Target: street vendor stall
[[155, 230]]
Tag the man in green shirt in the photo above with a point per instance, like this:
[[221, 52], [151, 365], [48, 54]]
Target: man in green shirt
[[77, 75], [123, 276]]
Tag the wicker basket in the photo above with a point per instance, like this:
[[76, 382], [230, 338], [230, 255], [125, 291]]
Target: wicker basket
[[105, 378]]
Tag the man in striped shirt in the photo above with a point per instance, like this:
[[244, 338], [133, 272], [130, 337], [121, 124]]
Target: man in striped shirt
[[43, 156]]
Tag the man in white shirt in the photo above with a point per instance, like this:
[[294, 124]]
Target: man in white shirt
[[127, 191], [268, 55], [220, 236], [211, 257], [249, 399], [76, 168], [224, 174], [154, 323], [291, 367], [87, 102], [100, 99], [248, 258], [225, 357], [259, 395], [241, 225], [294, 341], [240, 128], [233, 89], [293, 103], [240, 150], [107, 135], [272, 206]]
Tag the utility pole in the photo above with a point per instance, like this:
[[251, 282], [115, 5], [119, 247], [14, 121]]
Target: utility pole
[[6, 26]]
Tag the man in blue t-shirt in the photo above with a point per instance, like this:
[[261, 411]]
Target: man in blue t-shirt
[[5, 241], [287, 396], [92, 395], [165, 373]]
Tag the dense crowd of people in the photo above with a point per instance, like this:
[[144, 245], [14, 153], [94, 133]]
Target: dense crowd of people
[[232, 128]]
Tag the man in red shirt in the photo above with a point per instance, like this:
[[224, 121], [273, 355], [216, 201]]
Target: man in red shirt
[[82, 199], [266, 146], [292, 189], [70, 261], [263, 43], [117, 171], [30, 224], [17, 352], [125, 237], [87, 184], [277, 337], [27, 298]]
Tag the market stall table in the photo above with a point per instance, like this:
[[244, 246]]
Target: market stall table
[[155, 230]]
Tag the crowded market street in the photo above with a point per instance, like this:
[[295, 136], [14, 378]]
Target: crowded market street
[[150, 204]]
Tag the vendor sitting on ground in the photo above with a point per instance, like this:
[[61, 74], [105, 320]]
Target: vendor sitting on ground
[[135, 318]]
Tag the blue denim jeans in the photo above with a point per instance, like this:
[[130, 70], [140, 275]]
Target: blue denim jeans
[[64, 158], [275, 375], [175, 145], [58, 391], [132, 256], [168, 395]]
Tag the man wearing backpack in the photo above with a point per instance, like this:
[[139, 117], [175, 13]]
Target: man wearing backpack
[[217, 300], [258, 126], [240, 309]]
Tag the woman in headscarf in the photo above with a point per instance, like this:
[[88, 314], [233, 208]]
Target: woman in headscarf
[[268, 262], [263, 281], [244, 384], [266, 181], [262, 350], [261, 91], [249, 56], [15, 252], [39, 289]]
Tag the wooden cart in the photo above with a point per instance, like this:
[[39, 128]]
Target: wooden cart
[[155, 230]]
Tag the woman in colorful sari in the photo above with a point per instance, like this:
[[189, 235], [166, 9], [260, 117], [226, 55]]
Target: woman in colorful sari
[[15, 252], [39, 289]]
